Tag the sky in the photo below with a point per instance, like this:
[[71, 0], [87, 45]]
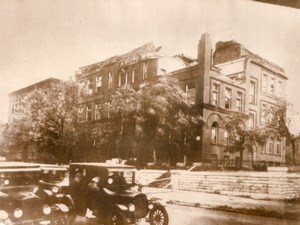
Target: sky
[[53, 38]]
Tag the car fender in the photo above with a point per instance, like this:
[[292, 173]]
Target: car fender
[[60, 207], [23, 195], [121, 207], [67, 199], [48, 193], [157, 201]]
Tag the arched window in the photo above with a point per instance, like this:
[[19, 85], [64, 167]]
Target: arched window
[[226, 138], [214, 132]]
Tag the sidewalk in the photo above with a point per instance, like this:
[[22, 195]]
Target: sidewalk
[[275, 209]]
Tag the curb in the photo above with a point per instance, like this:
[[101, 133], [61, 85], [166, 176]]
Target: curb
[[258, 211]]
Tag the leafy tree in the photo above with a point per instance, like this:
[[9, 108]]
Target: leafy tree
[[2, 144], [240, 138], [123, 111], [163, 115], [49, 120], [18, 136], [279, 123]]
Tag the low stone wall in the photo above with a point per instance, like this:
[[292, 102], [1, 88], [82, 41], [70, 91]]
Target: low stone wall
[[145, 177], [274, 184]]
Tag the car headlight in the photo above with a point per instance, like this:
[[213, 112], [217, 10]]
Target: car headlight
[[131, 207], [46, 209], [55, 189], [3, 215], [6, 182], [18, 213], [150, 206], [110, 180]]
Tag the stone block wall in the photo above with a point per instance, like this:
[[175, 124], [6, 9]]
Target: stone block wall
[[259, 185], [145, 177]]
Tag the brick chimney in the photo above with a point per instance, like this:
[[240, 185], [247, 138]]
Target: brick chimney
[[204, 59], [205, 50]]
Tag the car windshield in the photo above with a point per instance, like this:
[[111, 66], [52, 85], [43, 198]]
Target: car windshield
[[121, 177], [53, 175], [16, 177]]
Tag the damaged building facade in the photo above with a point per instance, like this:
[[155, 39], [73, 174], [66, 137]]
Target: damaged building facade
[[232, 79], [219, 83]]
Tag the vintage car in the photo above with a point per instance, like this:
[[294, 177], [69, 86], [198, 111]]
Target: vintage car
[[19, 202], [109, 191], [54, 190]]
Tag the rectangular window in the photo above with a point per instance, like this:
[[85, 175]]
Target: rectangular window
[[17, 107], [109, 80], [251, 121], [98, 83], [90, 86], [278, 146], [133, 76], [272, 86], [215, 94], [98, 111], [81, 84], [263, 113], [88, 113], [252, 92], [145, 75], [227, 98], [126, 77], [279, 88], [120, 79], [80, 114], [265, 83], [190, 93], [239, 102], [271, 145], [107, 105]]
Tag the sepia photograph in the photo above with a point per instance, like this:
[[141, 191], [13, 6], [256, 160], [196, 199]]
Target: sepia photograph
[[159, 112]]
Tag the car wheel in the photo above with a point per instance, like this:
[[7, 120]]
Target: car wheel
[[63, 220], [58, 220], [115, 218], [158, 216]]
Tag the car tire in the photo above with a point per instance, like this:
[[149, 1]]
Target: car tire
[[115, 218], [158, 216], [63, 220]]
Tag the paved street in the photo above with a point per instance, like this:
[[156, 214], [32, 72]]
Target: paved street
[[183, 215], [180, 215]]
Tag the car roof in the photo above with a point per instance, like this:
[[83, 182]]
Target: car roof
[[18, 166], [52, 167], [103, 165]]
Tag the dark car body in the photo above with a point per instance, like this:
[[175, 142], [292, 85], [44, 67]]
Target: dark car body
[[54, 184], [109, 191], [54, 189], [19, 199]]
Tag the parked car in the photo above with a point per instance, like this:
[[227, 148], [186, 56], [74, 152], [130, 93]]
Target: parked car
[[111, 194], [19, 202], [54, 189]]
